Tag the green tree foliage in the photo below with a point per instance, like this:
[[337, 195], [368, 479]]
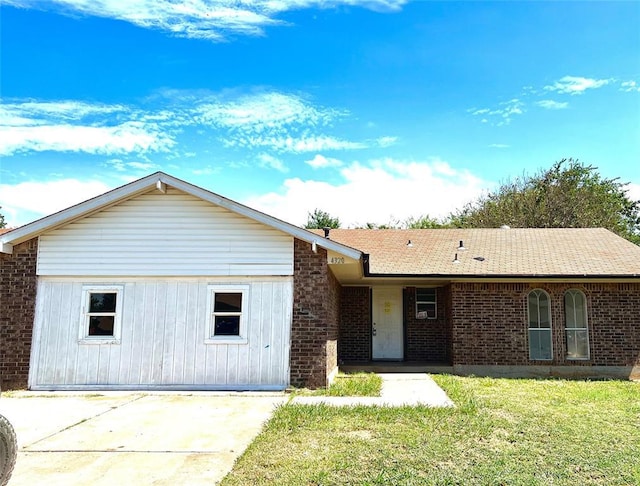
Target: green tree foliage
[[423, 222], [567, 195], [2, 222], [319, 219]]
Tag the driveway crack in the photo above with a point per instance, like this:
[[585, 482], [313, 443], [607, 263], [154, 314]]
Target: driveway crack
[[110, 409]]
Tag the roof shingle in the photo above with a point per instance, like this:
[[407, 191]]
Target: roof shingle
[[505, 252]]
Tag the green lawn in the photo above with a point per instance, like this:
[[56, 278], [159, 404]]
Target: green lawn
[[348, 385], [503, 432]]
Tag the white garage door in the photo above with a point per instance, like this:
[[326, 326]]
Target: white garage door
[[174, 333]]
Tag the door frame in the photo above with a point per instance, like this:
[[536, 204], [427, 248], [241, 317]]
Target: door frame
[[403, 331]]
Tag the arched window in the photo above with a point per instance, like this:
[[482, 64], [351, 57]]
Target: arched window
[[575, 322], [539, 310]]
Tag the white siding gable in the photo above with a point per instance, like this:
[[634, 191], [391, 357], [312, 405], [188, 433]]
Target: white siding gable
[[172, 234]]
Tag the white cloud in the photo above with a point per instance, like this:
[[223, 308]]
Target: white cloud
[[481, 111], [208, 170], [386, 141], [122, 166], [498, 145], [63, 109], [322, 162], [552, 105], [280, 121], [633, 191], [76, 126], [27, 201], [310, 143], [126, 137], [501, 115], [629, 86], [575, 85], [264, 112], [375, 192], [212, 20], [271, 162]]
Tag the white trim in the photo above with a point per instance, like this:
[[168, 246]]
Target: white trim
[[242, 337], [540, 329], [435, 303], [83, 328], [243, 387], [584, 329]]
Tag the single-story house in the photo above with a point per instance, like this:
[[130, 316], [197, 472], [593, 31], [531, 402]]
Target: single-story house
[[160, 284]]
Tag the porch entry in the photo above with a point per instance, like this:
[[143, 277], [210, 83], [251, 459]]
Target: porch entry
[[387, 333]]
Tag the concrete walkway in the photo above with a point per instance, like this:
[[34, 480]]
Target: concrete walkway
[[128, 438], [160, 438], [398, 389]]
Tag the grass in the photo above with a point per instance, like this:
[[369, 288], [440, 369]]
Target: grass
[[348, 385], [502, 432]]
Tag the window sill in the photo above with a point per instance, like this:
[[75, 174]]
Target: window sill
[[93, 341], [227, 340], [577, 359]]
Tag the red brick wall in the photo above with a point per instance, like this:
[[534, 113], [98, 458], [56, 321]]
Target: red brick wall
[[17, 307], [490, 323], [355, 325], [427, 339], [314, 331]]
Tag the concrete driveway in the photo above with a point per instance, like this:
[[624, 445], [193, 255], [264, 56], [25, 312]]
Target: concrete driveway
[[132, 438]]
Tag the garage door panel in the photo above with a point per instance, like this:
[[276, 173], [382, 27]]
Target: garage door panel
[[162, 341]]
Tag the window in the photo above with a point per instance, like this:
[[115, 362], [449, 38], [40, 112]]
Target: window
[[539, 310], [577, 333], [227, 313], [426, 307], [101, 313]]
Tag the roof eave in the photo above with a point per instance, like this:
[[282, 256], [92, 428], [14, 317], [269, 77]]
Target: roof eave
[[31, 230], [159, 180], [517, 276]]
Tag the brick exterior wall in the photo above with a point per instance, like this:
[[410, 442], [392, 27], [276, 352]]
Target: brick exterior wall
[[314, 330], [490, 323], [18, 283], [355, 325], [427, 340]]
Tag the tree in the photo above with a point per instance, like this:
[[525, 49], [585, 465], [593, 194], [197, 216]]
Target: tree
[[567, 195], [321, 219], [2, 222], [423, 222]]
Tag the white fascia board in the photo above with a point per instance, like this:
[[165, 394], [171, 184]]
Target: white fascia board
[[295, 231], [39, 226]]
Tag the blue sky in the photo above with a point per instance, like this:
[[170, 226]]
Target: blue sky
[[372, 110]]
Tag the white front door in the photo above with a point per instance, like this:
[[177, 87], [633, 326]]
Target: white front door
[[387, 329]]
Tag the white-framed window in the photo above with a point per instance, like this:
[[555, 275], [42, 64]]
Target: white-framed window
[[575, 322], [539, 317], [426, 304], [228, 314], [101, 314]]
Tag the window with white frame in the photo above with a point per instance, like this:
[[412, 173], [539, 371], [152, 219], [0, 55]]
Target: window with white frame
[[576, 331], [426, 304], [539, 314], [228, 313], [101, 313]]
